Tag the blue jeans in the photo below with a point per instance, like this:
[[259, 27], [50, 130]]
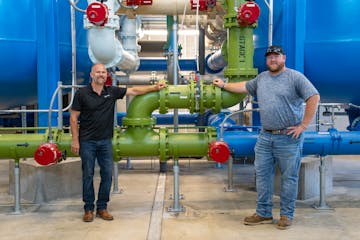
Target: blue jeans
[[281, 150], [102, 151]]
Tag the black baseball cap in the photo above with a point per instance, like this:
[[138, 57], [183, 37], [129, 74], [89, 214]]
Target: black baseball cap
[[274, 49]]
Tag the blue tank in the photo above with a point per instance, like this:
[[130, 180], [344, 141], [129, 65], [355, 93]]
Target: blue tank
[[322, 39], [18, 53], [21, 39]]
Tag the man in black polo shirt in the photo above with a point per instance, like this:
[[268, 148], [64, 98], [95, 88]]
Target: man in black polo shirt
[[94, 105]]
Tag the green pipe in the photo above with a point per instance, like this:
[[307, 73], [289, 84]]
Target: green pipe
[[180, 96], [239, 45], [137, 141], [189, 144], [138, 138], [16, 146]]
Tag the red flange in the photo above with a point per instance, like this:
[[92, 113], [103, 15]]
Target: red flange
[[138, 2], [109, 80], [97, 13], [219, 151], [47, 153], [248, 14], [202, 5]]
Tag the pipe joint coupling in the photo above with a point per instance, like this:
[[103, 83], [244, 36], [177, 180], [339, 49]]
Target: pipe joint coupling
[[112, 23], [138, 122], [163, 144], [163, 101]]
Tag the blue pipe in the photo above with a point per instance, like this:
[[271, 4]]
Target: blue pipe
[[161, 65], [333, 142], [161, 119], [215, 62]]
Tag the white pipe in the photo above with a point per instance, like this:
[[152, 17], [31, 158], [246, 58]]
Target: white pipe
[[270, 5], [216, 61], [162, 7], [73, 55], [105, 47], [197, 42], [74, 5], [128, 35], [175, 68], [142, 79]]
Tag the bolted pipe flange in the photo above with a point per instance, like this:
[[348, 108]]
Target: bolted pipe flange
[[163, 101], [217, 100], [163, 144], [138, 122]]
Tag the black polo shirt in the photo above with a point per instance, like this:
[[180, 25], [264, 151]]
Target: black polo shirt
[[96, 112]]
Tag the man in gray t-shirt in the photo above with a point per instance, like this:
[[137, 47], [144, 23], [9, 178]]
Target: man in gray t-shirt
[[280, 92]]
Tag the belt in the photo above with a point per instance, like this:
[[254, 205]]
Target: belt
[[277, 132]]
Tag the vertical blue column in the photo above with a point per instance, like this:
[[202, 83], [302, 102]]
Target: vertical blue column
[[300, 35], [48, 61], [293, 34]]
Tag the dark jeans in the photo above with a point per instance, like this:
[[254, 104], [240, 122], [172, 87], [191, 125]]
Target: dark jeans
[[102, 151]]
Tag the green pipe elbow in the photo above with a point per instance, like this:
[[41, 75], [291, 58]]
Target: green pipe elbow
[[142, 106], [230, 99]]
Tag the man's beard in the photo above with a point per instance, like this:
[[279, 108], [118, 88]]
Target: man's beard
[[100, 80], [276, 69]]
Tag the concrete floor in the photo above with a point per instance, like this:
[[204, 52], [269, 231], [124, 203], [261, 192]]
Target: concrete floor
[[210, 213]]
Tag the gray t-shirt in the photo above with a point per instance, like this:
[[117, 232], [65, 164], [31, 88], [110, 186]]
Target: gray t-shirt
[[281, 97]]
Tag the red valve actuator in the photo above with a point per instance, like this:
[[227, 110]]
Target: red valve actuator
[[97, 13], [219, 151], [248, 14], [47, 153]]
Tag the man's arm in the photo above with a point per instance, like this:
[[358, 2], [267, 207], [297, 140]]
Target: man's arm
[[310, 110], [236, 87], [74, 127], [140, 90]]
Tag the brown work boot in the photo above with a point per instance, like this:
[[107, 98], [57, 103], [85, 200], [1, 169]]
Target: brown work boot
[[284, 223], [88, 216], [256, 220], [104, 214]]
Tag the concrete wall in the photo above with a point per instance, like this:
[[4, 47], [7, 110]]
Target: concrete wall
[[45, 183]]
